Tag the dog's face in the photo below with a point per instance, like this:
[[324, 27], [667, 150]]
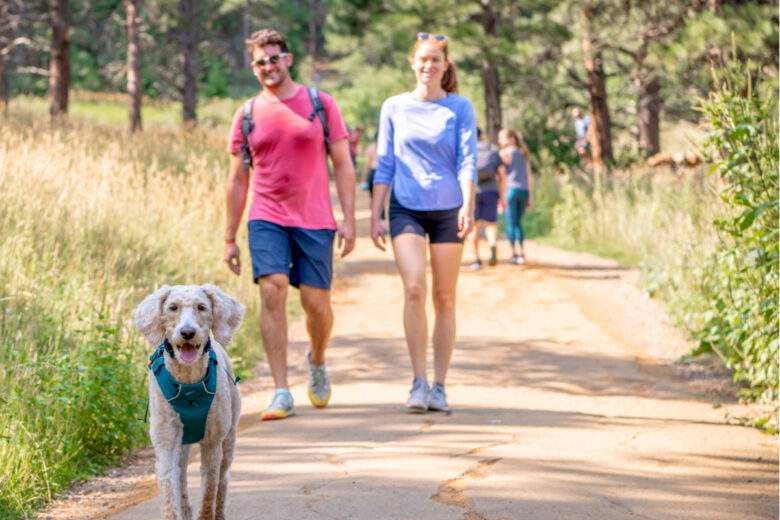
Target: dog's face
[[184, 315]]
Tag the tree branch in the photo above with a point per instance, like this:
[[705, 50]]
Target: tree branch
[[14, 43]]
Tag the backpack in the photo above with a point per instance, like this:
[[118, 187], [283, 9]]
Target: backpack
[[248, 124], [486, 164]]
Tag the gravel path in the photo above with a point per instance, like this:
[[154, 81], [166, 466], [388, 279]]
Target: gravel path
[[567, 405]]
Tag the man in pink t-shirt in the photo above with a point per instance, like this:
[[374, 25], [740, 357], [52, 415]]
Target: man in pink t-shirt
[[291, 224]]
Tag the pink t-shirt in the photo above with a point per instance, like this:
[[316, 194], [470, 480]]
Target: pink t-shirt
[[290, 181]]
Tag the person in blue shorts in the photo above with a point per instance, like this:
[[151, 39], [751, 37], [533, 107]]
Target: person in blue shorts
[[519, 189], [426, 153], [490, 184], [291, 226]]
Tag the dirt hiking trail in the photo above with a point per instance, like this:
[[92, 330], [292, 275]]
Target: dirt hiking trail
[[565, 406]]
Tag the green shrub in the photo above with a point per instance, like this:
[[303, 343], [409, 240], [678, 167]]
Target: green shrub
[[90, 224], [740, 322]]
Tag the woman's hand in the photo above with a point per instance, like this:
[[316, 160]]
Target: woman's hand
[[378, 233], [465, 221]]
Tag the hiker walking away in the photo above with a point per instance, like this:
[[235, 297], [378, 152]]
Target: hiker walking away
[[519, 189], [427, 154], [290, 132], [490, 191], [354, 143], [369, 170], [581, 127]]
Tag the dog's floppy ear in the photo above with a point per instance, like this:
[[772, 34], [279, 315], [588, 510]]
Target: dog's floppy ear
[[148, 315], [228, 313]]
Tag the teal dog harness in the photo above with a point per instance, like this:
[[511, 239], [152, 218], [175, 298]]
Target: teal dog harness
[[191, 401]]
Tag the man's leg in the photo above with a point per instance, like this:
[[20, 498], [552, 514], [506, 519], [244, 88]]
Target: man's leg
[[475, 245], [273, 325], [319, 320], [491, 233]]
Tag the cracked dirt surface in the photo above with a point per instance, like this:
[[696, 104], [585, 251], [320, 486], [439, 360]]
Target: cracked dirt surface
[[565, 405]]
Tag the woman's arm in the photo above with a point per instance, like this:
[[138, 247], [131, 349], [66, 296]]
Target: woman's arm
[[530, 204], [466, 164], [378, 231], [501, 187]]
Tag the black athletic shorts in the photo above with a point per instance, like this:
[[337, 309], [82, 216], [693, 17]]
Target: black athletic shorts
[[441, 226]]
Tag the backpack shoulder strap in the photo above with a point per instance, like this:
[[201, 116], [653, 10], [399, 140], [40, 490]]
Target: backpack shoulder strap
[[318, 110], [247, 125]]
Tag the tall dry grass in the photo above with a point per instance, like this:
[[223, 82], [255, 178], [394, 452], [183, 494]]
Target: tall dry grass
[[660, 223], [90, 221]]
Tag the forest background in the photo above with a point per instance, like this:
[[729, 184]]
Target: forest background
[[113, 125]]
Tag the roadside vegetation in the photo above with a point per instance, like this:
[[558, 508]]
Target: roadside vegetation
[[92, 217], [706, 239], [92, 220]]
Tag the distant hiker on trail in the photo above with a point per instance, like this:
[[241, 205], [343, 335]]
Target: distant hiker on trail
[[427, 153], [369, 170], [490, 192], [581, 127], [519, 189], [353, 137], [283, 136]]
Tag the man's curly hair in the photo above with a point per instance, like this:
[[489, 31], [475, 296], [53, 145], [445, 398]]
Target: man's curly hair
[[265, 37]]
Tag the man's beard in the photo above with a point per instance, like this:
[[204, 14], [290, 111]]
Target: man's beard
[[281, 75]]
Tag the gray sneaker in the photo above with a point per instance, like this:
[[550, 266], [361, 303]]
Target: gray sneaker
[[437, 399], [319, 384], [281, 406], [418, 396]]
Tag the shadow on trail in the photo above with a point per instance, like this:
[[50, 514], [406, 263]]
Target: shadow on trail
[[381, 432], [576, 267], [535, 364]]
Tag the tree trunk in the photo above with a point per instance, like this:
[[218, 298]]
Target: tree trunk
[[189, 47], [600, 134], [648, 114], [3, 86], [59, 63], [490, 78], [134, 79]]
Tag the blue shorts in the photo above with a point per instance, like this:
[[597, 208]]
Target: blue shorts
[[486, 206], [304, 255]]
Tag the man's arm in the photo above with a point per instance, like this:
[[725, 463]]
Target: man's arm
[[344, 172], [237, 187]]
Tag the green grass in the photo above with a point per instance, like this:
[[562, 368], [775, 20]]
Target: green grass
[[92, 220]]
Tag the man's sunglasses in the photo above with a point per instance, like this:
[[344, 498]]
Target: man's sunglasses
[[440, 38], [273, 60]]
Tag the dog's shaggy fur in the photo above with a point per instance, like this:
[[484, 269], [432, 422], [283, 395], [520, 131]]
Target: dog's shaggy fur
[[184, 315]]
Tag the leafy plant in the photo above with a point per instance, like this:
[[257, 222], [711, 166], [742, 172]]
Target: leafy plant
[[741, 321]]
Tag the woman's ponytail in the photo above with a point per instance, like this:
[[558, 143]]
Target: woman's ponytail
[[449, 81]]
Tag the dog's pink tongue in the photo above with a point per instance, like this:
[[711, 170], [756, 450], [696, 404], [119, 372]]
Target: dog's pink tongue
[[188, 352]]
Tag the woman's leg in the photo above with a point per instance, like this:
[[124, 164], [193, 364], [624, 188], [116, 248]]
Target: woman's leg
[[522, 203], [409, 250], [511, 219], [445, 265]]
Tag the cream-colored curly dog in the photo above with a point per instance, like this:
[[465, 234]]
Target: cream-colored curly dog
[[183, 315]]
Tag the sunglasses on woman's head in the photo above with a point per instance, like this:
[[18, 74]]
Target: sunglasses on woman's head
[[273, 60], [440, 38]]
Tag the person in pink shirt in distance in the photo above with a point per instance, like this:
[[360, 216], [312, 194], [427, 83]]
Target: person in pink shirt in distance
[[291, 224]]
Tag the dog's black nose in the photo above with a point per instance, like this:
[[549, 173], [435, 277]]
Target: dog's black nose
[[187, 332]]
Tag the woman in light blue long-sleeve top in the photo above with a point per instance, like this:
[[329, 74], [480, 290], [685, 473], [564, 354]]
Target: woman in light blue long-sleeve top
[[427, 160]]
